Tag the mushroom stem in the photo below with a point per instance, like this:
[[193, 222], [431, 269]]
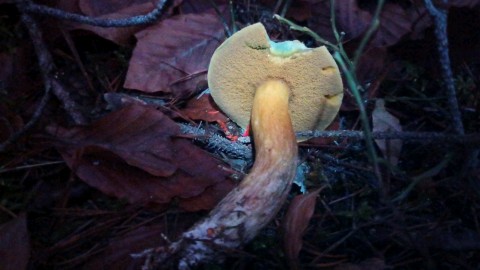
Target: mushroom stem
[[257, 199]]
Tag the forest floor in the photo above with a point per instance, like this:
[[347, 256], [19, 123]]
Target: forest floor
[[110, 143]]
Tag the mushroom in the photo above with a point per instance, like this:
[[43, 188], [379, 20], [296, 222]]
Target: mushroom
[[249, 58], [279, 88]]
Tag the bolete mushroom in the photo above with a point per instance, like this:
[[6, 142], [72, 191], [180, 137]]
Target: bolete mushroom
[[249, 58], [278, 88]]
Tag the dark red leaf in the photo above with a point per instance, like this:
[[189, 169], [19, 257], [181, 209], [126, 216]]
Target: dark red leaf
[[112, 9], [119, 35], [296, 221], [117, 255], [97, 8], [14, 244], [320, 21], [395, 23], [133, 153], [351, 19], [203, 108], [371, 65], [196, 6], [173, 56]]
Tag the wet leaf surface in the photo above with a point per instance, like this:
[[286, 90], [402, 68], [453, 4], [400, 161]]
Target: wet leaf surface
[[383, 121], [134, 154], [173, 56], [296, 222]]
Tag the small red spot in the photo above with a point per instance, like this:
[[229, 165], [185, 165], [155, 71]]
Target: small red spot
[[211, 232], [247, 132]]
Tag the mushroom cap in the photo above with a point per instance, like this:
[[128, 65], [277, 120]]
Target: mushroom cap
[[248, 58]]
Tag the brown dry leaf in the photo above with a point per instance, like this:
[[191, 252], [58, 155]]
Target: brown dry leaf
[[133, 154], [14, 244], [351, 19], [97, 8], [383, 121], [119, 35], [372, 63], [296, 221], [395, 22], [208, 198], [113, 9], [196, 6], [117, 255], [320, 21], [203, 108], [173, 56]]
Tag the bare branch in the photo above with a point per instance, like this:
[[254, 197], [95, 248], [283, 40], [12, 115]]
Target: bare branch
[[45, 62], [104, 22], [440, 17]]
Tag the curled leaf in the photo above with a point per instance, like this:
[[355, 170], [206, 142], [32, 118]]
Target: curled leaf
[[383, 121], [296, 222]]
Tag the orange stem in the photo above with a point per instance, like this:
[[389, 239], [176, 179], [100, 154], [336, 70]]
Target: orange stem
[[257, 199]]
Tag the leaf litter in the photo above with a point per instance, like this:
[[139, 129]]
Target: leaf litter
[[131, 175]]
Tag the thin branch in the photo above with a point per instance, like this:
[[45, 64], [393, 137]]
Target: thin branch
[[218, 143], [440, 17], [240, 150], [370, 31], [419, 137], [46, 67], [104, 22]]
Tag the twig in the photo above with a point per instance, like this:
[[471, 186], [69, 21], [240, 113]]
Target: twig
[[440, 21], [349, 68], [227, 30], [239, 150], [219, 143], [422, 137], [370, 31], [46, 67], [68, 103], [104, 22]]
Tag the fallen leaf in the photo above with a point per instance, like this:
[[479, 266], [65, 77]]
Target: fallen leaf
[[395, 22], [117, 255], [95, 8], [296, 222], [320, 21], [351, 19], [383, 121], [203, 108], [208, 198], [133, 153], [119, 35], [14, 244], [371, 64], [195, 6], [173, 56]]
